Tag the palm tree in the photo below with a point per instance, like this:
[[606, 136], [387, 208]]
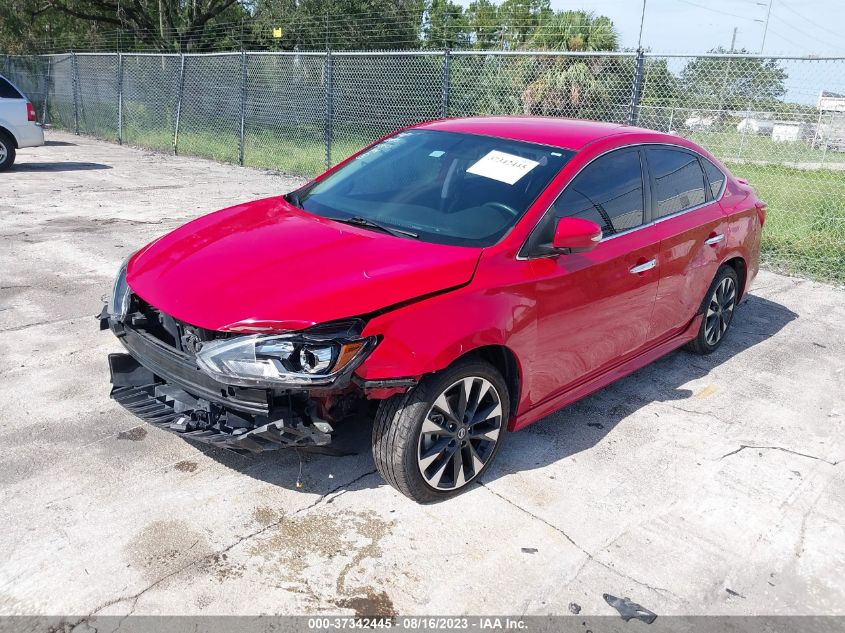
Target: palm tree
[[580, 86], [574, 31]]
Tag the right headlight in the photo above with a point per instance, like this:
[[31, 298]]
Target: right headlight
[[313, 357], [118, 305]]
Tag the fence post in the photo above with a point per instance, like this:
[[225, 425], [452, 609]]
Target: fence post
[[327, 123], [75, 86], [243, 108], [120, 98], [180, 90], [444, 100], [743, 133], [637, 88], [826, 136], [47, 90]]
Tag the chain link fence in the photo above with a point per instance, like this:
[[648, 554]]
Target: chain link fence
[[777, 122]]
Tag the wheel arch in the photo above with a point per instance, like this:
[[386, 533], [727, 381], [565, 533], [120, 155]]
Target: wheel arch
[[4, 129], [505, 361], [741, 269]]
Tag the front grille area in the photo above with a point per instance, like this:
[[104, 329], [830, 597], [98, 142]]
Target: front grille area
[[172, 332], [180, 368]]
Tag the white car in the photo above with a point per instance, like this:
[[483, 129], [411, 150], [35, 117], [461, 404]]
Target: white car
[[19, 126]]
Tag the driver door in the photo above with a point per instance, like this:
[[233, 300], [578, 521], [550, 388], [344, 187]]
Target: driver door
[[594, 308]]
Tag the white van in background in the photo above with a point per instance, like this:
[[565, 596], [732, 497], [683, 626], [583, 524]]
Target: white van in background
[[19, 126]]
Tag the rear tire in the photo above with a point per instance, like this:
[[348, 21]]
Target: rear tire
[[7, 151], [718, 309], [431, 442]]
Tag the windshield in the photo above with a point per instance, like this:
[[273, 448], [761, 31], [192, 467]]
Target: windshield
[[442, 187]]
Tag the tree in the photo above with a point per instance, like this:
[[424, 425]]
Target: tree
[[26, 27], [592, 87], [338, 24], [726, 84], [482, 17], [162, 24], [445, 25], [574, 31], [519, 18]]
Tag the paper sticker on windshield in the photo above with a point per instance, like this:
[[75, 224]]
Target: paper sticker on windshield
[[502, 167]]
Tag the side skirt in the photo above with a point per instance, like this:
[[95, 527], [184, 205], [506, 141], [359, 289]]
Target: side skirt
[[591, 385]]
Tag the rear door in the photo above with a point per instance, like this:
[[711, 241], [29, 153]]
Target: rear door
[[692, 228]]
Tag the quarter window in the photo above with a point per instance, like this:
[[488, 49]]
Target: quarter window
[[678, 180], [609, 192], [8, 91], [715, 176]]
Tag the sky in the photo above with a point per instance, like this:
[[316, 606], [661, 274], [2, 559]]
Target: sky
[[796, 27]]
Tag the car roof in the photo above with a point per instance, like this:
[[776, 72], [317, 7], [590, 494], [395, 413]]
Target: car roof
[[566, 133]]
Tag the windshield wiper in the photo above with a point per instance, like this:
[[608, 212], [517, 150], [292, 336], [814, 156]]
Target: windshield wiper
[[359, 221]]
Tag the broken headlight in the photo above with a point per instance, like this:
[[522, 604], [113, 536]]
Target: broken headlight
[[118, 305], [313, 357]]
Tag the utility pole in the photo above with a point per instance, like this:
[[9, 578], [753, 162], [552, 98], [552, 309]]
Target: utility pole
[[733, 40], [765, 25], [642, 20]]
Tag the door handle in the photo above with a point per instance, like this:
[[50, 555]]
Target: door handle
[[714, 239], [641, 268]]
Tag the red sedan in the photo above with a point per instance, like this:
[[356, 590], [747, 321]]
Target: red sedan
[[456, 280]]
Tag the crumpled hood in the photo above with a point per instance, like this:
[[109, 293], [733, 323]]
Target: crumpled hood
[[277, 267]]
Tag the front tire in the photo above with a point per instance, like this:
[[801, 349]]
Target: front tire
[[433, 441], [718, 308], [7, 151]]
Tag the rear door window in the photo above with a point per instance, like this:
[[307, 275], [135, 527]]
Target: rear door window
[[609, 192], [678, 180], [8, 91], [714, 176]]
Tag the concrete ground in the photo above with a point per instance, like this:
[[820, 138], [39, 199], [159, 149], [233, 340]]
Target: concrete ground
[[698, 485]]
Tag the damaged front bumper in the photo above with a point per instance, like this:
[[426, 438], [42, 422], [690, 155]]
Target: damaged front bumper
[[160, 381], [164, 386]]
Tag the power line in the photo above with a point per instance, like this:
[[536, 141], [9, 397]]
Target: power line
[[808, 20], [803, 32], [711, 9]]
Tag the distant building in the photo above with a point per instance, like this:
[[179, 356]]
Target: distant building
[[699, 122], [755, 126], [830, 102], [791, 131]]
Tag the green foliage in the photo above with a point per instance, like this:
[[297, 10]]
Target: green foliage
[[444, 25], [519, 18], [574, 87], [660, 86], [483, 21], [574, 31], [804, 232], [724, 83], [26, 27], [336, 24]]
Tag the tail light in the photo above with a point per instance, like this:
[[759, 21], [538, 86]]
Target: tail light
[[761, 210], [30, 112]]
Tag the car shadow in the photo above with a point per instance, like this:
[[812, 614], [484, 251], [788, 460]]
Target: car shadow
[[58, 166], [59, 144], [563, 434]]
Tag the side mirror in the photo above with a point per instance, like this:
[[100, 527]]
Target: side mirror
[[576, 235]]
